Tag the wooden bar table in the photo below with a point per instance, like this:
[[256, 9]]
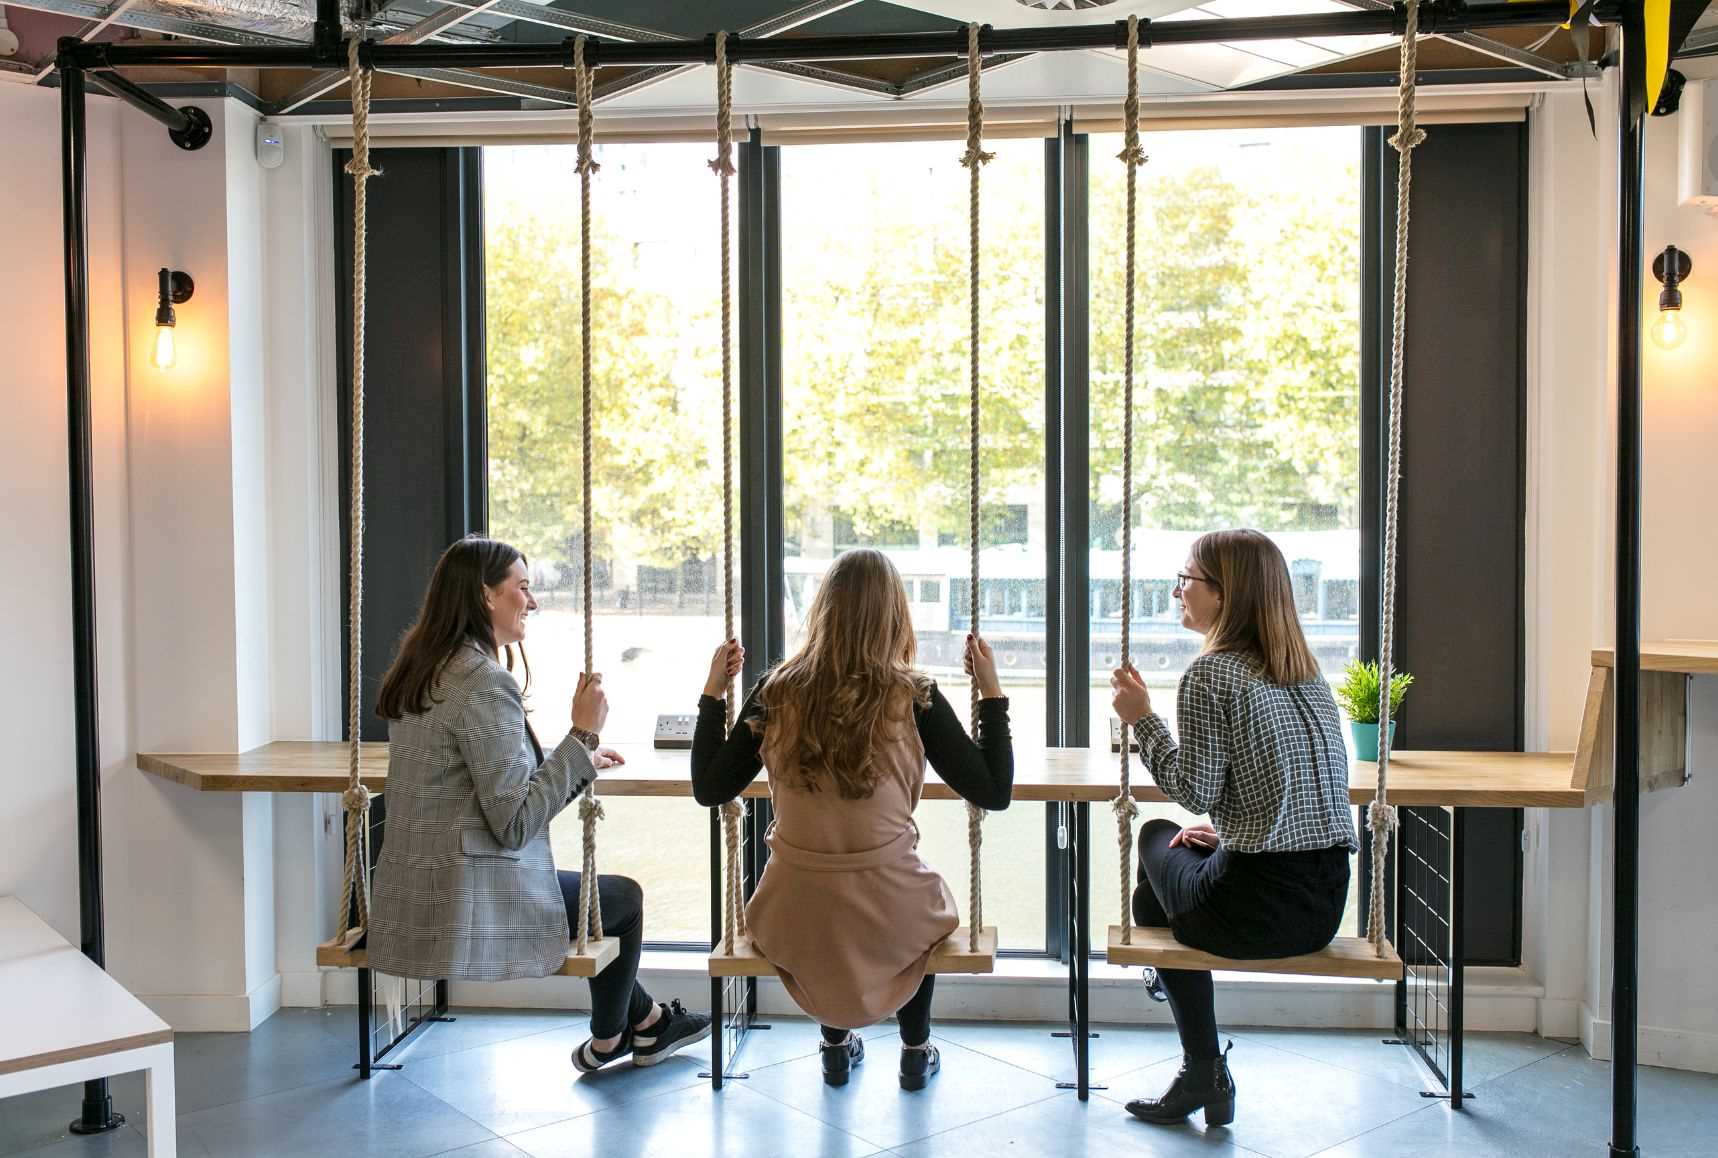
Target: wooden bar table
[[1078, 777]]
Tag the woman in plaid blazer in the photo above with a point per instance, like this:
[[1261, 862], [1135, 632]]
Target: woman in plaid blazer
[[466, 885]]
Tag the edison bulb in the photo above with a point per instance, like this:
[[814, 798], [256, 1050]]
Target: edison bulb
[[164, 347], [1669, 329]]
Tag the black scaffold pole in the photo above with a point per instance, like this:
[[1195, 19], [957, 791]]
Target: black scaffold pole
[[97, 1115]]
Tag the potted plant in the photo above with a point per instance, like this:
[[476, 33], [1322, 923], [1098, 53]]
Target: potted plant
[[1358, 694]]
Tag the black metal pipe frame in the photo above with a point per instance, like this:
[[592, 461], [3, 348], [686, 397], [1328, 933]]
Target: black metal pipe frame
[[325, 51], [97, 1114], [1625, 920]]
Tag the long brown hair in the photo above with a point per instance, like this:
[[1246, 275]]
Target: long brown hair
[[852, 685], [453, 615], [1257, 616]]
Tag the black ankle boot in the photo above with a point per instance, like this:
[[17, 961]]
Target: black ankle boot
[[839, 1058], [919, 1064], [1203, 1084]]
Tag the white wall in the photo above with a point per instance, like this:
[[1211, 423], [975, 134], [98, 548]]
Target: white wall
[[38, 858], [1571, 520]]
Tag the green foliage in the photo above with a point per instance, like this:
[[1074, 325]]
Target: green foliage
[[1247, 363], [1358, 693]]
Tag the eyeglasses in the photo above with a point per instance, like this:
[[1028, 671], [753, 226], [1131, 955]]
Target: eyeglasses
[[1182, 579]]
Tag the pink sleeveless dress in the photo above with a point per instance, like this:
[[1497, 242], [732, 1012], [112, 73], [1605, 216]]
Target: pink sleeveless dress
[[846, 911]]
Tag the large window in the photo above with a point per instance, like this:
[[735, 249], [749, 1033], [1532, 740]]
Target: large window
[[1247, 414], [1246, 392], [875, 443], [656, 463]]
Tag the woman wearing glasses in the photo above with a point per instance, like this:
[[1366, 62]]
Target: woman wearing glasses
[[1261, 751]]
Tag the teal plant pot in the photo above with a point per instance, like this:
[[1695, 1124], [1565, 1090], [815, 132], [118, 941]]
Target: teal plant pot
[[1366, 738]]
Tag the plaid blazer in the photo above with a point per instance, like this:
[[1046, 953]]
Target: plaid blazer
[[465, 887]]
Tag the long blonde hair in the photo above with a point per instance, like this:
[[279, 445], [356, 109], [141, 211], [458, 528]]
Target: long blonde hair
[[1257, 616], [851, 687]]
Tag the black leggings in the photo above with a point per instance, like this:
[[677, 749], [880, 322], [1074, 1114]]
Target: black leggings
[[1269, 904], [617, 999], [914, 1017]]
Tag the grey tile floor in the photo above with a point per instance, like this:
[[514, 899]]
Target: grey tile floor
[[498, 1083]]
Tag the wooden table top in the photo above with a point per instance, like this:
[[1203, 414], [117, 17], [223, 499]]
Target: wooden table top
[[1693, 656], [1475, 779]]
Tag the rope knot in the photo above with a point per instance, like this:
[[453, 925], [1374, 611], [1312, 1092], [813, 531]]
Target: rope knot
[[590, 809], [355, 799], [975, 156], [1407, 137], [1125, 807], [1133, 154], [361, 168], [1381, 819], [722, 166]]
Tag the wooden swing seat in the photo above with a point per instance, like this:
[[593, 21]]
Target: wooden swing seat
[[596, 957], [954, 955], [1343, 957]]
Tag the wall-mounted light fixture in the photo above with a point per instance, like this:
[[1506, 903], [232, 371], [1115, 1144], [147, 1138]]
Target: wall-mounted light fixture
[[1671, 267], [175, 290]]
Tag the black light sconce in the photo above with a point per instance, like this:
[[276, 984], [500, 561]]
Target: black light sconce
[[176, 288], [1672, 268]]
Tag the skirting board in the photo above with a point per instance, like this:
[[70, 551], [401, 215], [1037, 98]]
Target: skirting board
[[1677, 1049], [216, 1012]]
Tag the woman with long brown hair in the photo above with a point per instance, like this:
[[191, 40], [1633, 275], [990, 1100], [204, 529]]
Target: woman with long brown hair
[[1261, 751], [466, 886], [846, 911]]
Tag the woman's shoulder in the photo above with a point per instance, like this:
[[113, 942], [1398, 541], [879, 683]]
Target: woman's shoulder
[[469, 675], [1223, 672]]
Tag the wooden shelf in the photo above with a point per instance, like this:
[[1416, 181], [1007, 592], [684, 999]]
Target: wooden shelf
[[1472, 779], [1688, 656]]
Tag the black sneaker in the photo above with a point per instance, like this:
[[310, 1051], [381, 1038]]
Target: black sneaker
[[840, 1058], [588, 1059], [674, 1030], [919, 1064], [1153, 984]]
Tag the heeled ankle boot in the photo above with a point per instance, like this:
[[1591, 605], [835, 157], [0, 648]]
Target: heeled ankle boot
[[839, 1058], [1202, 1084]]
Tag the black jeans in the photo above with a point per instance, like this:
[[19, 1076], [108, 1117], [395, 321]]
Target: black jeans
[[1246, 905], [914, 1017], [617, 999]]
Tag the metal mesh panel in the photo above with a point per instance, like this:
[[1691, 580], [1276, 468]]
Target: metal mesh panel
[[1424, 915]]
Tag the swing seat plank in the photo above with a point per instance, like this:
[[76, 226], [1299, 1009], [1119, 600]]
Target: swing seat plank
[[1343, 957], [597, 956], [954, 955]]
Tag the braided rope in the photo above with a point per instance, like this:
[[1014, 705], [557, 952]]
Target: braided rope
[[354, 893], [974, 159], [1381, 817], [590, 901], [1132, 156], [734, 916]]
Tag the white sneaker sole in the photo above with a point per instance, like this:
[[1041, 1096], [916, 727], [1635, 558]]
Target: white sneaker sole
[[657, 1058]]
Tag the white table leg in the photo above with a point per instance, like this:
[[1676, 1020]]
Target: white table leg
[[163, 1117]]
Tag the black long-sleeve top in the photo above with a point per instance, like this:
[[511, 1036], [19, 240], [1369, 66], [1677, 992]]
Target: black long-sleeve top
[[982, 772]]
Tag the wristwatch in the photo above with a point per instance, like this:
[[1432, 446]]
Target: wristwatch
[[588, 739]]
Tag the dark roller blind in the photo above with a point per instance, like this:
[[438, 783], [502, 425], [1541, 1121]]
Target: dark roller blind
[[424, 442]]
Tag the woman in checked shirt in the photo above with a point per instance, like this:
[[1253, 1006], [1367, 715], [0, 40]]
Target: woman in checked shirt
[[1261, 752]]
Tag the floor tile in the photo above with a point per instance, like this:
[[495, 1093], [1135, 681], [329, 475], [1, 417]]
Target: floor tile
[[1485, 1056], [469, 1029], [494, 1148], [695, 1123], [1065, 1126], [385, 1117], [1117, 1049], [873, 1105], [1555, 1107], [517, 1085], [793, 1039], [1288, 1106]]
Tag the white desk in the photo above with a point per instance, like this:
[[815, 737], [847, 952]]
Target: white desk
[[67, 1021]]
